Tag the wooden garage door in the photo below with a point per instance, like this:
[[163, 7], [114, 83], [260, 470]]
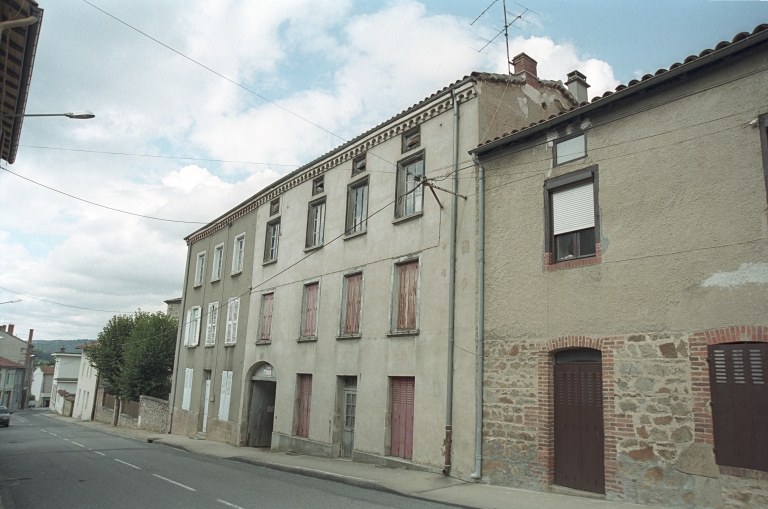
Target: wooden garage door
[[579, 451], [737, 376], [402, 417]]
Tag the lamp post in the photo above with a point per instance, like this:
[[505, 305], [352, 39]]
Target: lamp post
[[82, 115]]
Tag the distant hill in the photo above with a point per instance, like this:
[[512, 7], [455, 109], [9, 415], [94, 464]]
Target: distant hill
[[44, 349]]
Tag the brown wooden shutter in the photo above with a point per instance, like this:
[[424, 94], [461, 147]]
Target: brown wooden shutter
[[408, 277], [305, 403], [402, 417], [354, 299], [740, 404], [266, 316], [310, 312]]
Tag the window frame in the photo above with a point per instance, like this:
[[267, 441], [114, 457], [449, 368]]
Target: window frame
[[351, 192], [195, 340], [356, 162], [409, 134], [401, 185], [563, 139], [217, 269], [233, 303], [212, 326], [342, 334], [302, 336], [318, 185], [560, 183], [238, 255], [763, 124], [395, 296], [199, 269], [259, 338], [267, 246], [274, 207], [309, 241]]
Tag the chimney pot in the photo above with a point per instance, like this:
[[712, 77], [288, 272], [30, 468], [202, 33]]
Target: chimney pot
[[10, 329], [577, 86], [525, 67]]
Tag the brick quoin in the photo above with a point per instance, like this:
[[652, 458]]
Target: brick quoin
[[697, 354]]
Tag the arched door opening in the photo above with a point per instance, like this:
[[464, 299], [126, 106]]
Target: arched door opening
[[261, 412]]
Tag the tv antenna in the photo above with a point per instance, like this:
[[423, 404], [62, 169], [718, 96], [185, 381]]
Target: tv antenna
[[504, 30]]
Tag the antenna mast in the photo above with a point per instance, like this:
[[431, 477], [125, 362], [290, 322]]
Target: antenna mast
[[504, 30]]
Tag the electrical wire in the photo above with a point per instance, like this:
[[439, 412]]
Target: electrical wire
[[60, 304]]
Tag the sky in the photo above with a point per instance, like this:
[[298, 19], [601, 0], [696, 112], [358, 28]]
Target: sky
[[343, 65]]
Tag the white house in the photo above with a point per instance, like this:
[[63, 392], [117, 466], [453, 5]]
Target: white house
[[65, 375], [87, 384], [42, 379]]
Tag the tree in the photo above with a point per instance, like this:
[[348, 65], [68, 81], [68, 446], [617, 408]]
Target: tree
[[135, 354]]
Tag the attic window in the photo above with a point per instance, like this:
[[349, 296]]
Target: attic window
[[358, 166], [570, 149], [274, 207], [318, 186], [411, 139]]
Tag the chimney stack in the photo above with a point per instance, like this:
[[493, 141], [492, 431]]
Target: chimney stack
[[62, 349], [525, 66], [10, 329], [2, 328], [31, 331], [577, 86]]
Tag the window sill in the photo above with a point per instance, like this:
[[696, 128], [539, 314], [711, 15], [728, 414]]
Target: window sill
[[210, 346], [197, 285], [405, 219], [236, 273], [313, 248], [191, 346], [269, 262], [555, 165], [313, 339], [354, 235], [215, 280], [400, 333], [228, 345], [264, 342], [349, 336], [573, 263]]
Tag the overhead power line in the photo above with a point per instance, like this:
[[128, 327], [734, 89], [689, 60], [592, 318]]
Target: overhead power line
[[65, 305]]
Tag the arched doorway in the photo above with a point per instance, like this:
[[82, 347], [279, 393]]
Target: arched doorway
[[261, 411], [579, 438]]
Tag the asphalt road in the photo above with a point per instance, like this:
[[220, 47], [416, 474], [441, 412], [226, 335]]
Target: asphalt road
[[46, 463]]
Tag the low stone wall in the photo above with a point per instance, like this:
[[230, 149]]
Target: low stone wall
[[102, 414], [153, 414], [126, 421]]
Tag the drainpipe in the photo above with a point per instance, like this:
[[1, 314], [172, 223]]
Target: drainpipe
[[172, 404], [452, 290], [477, 474]]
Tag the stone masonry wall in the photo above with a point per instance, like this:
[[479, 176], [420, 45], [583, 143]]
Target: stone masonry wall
[[102, 414], [153, 414]]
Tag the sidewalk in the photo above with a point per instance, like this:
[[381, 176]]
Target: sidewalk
[[410, 483]]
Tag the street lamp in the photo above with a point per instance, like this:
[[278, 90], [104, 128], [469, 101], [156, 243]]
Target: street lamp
[[77, 114]]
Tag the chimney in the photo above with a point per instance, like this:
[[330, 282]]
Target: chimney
[[2, 328], [63, 349], [525, 66], [31, 331], [577, 85], [10, 329]]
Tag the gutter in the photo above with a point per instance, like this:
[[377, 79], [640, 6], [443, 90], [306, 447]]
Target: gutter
[[477, 474], [657, 80]]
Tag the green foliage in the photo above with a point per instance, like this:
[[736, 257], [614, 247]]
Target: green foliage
[[135, 354]]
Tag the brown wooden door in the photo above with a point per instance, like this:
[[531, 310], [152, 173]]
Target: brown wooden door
[[402, 417], [579, 440], [305, 404], [740, 404]]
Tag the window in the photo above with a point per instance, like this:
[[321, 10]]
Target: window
[[572, 215], [315, 224], [192, 329], [200, 269], [737, 379], [409, 191], [210, 328], [351, 309], [357, 207], [358, 165], [226, 393], [239, 255], [187, 388], [267, 303], [405, 314], [309, 311], [218, 261], [304, 404], [274, 207], [270, 246], [317, 186], [411, 139], [570, 149], [233, 314]]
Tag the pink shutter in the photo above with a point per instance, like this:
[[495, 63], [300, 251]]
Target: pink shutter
[[402, 417], [305, 403], [310, 313], [408, 276], [266, 317], [354, 297]]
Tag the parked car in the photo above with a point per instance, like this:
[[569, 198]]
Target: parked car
[[5, 417], [32, 404]]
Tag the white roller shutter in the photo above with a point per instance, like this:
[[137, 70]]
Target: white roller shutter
[[226, 391], [573, 208], [187, 389]]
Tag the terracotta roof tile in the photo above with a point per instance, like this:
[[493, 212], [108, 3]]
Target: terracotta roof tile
[[47, 370], [7, 363]]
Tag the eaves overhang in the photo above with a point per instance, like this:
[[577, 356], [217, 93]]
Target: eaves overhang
[[740, 43]]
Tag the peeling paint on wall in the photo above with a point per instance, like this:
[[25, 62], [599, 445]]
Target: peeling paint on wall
[[747, 273]]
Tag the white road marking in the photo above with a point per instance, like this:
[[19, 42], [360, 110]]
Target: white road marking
[[100, 453], [174, 482], [81, 445], [229, 504], [125, 463], [66, 439], [54, 434]]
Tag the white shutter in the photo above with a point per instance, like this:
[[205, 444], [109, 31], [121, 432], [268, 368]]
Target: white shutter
[[210, 331], [573, 208], [226, 391], [228, 333], [235, 304], [229, 391], [186, 327], [196, 339], [187, 389]]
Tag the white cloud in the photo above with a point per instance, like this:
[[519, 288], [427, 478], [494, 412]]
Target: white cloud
[[189, 177]]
